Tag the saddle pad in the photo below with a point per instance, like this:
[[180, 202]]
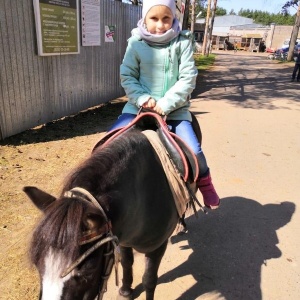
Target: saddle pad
[[177, 185]]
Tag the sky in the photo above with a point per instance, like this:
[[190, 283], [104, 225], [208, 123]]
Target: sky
[[271, 6]]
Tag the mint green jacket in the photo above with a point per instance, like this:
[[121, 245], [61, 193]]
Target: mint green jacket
[[165, 73]]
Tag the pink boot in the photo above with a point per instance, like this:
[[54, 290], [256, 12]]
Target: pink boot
[[210, 196]]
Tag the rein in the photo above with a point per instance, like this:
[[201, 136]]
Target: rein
[[104, 235], [81, 258]]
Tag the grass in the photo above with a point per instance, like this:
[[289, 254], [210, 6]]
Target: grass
[[204, 62]]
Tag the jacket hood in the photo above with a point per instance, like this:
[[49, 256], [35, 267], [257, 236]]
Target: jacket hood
[[136, 33]]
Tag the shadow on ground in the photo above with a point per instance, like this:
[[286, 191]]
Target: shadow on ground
[[250, 87], [250, 82], [229, 248], [88, 122]]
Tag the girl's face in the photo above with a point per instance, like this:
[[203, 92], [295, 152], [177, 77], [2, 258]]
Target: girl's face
[[159, 19]]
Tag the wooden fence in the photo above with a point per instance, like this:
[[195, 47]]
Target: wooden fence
[[36, 89]]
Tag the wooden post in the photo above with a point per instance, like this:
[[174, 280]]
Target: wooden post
[[206, 27], [294, 35], [193, 16], [213, 14], [185, 22]]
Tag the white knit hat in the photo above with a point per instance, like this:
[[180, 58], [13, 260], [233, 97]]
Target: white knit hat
[[147, 4]]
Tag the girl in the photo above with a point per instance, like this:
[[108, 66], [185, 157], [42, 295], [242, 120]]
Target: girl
[[158, 72]]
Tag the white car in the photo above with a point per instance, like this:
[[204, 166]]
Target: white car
[[286, 43]]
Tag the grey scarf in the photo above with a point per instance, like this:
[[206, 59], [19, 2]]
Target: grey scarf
[[158, 39]]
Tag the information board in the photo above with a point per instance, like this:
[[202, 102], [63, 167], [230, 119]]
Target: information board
[[57, 26]]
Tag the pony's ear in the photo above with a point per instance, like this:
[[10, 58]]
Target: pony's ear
[[39, 198]]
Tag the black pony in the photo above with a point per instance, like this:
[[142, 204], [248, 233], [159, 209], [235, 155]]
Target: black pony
[[73, 245]]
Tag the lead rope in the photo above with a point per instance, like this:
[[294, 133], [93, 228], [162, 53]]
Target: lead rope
[[109, 262]]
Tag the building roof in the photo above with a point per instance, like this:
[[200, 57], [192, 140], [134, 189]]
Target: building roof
[[229, 20], [223, 24], [250, 26]]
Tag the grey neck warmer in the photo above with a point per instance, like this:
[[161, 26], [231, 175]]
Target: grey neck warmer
[[158, 39]]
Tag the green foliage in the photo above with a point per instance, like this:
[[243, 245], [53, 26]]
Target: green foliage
[[221, 11], [259, 17], [266, 18], [201, 6], [203, 62]]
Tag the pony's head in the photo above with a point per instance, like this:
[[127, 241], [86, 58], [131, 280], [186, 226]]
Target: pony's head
[[68, 246]]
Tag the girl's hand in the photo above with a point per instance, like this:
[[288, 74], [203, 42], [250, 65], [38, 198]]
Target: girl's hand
[[158, 110], [150, 103]]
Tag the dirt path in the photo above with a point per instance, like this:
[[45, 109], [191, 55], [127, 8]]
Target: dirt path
[[249, 249]]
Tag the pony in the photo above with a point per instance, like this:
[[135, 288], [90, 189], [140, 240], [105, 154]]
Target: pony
[[115, 201]]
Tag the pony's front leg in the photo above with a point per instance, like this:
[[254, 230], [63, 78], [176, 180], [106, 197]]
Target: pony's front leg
[[126, 261], [153, 260]]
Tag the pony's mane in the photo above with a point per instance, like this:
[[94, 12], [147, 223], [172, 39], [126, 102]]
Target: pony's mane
[[61, 226], [100, 171]]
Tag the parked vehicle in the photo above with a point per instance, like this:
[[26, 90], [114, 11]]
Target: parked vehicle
[[282, 50], [285, 50], [280, 55], [286, 43]]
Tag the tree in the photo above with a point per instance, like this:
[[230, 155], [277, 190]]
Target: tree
[[289, 4], [213, 14], [204, 45], [221, 11], [294, 35], [186, 17], [263, 17]]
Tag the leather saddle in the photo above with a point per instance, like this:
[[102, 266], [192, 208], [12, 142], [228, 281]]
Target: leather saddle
[[180, 153]]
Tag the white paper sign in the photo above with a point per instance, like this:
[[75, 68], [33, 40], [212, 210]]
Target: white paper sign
[[90, 22]]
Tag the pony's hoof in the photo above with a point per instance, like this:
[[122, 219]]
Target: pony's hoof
[[124, 295]]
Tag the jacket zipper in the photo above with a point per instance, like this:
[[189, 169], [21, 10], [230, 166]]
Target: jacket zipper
[[168, 61]]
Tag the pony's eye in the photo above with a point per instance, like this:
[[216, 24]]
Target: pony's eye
[[79, 276]]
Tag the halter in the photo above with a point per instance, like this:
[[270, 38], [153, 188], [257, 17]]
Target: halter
[[104, 235]]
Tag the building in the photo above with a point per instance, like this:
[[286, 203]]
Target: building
[[233, 30]]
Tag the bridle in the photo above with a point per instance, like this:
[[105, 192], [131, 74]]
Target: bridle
[[104, 235]]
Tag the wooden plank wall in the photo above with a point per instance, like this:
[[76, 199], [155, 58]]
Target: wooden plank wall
[[35, 90]]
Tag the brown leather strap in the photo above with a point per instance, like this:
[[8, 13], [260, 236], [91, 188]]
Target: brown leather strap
[[180, 152]]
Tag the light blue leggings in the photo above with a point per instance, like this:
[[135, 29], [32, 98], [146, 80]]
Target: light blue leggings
[[181, 128]]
